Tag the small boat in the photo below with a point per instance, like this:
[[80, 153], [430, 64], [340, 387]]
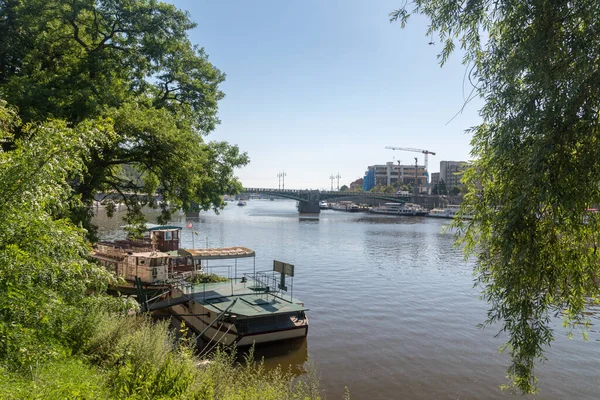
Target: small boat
[[241, 203], [323, 205], [406, 209]]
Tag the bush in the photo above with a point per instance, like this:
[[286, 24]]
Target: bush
[[206, 278]]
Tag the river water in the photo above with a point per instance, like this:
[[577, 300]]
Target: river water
[[393, 310]]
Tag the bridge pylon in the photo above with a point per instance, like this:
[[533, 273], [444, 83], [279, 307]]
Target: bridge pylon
[[311, 206]]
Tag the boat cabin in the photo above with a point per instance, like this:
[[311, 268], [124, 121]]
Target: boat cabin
[[150, 267]]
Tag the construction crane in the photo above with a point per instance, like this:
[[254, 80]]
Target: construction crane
[[426, 152]]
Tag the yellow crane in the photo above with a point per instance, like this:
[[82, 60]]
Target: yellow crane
[[426, 152]]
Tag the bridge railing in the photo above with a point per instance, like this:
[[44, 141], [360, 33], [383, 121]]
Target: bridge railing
[[258, 190], [326, 192]]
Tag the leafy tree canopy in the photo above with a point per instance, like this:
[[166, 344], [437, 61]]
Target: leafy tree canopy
[[536, 166], [45, 278], [454, 191], [130, 61]]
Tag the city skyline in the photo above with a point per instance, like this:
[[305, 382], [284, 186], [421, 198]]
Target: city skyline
[[319, 87]]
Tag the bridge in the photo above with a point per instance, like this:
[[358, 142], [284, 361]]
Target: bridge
[[308, 200]]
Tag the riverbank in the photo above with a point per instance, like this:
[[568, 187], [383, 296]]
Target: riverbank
[[132, 357]]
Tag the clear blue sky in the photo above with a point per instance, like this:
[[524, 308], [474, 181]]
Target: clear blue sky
[[320, 87]]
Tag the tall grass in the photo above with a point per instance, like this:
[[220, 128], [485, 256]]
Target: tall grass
[[132, 357]]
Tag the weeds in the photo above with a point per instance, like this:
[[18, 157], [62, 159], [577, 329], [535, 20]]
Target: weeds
[[136, 358]]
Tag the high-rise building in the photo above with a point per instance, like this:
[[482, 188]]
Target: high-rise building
[[435, 178], [451, 172]]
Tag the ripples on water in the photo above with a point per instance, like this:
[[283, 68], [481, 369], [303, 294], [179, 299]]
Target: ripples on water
[[393, 310]]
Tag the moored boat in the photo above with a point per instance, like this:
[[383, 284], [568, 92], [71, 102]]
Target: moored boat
[[449, 212], [241, 203], [346, 206], [402, 209], [253, 307]]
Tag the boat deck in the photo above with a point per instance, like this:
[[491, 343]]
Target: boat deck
[[253, 301]]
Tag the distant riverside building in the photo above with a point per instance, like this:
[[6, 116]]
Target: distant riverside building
[[451, 172], [435, 178], [393, 174]]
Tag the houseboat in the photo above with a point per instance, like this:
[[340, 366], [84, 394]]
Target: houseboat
[[148, 260], [245, 309], [402, 209], [213, 299]]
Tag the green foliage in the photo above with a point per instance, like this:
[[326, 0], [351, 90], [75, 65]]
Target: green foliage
[[389, 189], [144, 360], [454, 191], [134, 358], [61, 336], [536, 162], [67, 378], [440, 188], [206, 278], [43, 270], [133, 62]]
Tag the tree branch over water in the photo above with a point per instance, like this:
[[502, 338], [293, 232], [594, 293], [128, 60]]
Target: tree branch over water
[[536, 168]]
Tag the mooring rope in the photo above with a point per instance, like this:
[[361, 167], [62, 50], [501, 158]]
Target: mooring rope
[[222, 336], [211, 339]]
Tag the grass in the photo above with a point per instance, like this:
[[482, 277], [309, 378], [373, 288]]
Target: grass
[[132, 357]]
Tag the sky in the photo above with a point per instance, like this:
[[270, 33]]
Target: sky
[[318, 88]]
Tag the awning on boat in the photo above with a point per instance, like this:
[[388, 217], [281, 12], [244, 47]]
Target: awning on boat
[[218, 253], [154, 227]]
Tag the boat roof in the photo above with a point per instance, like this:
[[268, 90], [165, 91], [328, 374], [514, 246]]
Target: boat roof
[[149, 254], [218, 253], [155, 227], [250, 303]]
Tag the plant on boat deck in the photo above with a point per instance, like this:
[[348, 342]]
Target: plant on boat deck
[[206, 278]]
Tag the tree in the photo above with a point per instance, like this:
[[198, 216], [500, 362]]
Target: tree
[[389, 189], [442, 189], [46, 285], [536, 161], [454, 191], [377, 189], [130, 61], [344, 188]]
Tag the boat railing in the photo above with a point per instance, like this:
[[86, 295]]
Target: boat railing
[[266, 283]]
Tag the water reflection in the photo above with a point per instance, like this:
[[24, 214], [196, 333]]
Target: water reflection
[[293, 354]]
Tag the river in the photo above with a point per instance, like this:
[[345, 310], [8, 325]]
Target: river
[[393, 309]]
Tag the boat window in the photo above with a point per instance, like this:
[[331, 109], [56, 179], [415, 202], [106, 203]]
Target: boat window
[[168, 235]]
